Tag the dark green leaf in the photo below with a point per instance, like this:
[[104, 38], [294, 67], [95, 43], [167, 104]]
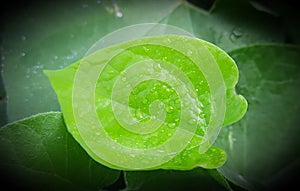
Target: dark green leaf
[[51, 35], [161, 180], [38, 153], [263, 145]]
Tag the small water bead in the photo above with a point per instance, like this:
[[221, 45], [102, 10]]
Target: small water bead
[[189, 52], [146, 49], [192, 121], [119, 14], [111, 72], [23, 37], [23, 54], [153, 89], [157, 67], [170, 109], [139, 114], [202, 115], [123, 79], [172, 125], [236, 34]]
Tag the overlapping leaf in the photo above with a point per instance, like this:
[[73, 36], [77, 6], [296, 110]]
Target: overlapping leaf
[[39, 154], [40, 38]]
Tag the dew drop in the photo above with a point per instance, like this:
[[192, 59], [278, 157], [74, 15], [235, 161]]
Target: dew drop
[[55, 57], [119, 14], [192, 121], [23, 37], [171, 125], [170, 109], [202, 115], [23, 54], [236, 33], [153, 89], [123, 79], [146, 49], [189, 52], [157, 67], [139, 114]]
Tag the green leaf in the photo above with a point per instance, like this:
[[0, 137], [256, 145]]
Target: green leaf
[[161, 180], [53, 35], [3, 117], [169, 93], [38, 153], [263, 147], [46, 35]]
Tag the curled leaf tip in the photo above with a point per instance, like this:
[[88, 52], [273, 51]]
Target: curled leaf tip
[[155, 102]]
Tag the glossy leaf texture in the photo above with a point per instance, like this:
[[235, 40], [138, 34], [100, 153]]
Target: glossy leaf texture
[[38, 153], [263, 148], [156, 102], [51, 35]]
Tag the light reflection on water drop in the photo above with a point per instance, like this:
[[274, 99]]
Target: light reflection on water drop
[[23, 54], [236, 34], [23, 37], [119, 14]]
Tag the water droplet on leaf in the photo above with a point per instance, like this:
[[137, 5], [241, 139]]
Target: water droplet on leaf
[[157, 67], [23, 37], [119, 14]]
